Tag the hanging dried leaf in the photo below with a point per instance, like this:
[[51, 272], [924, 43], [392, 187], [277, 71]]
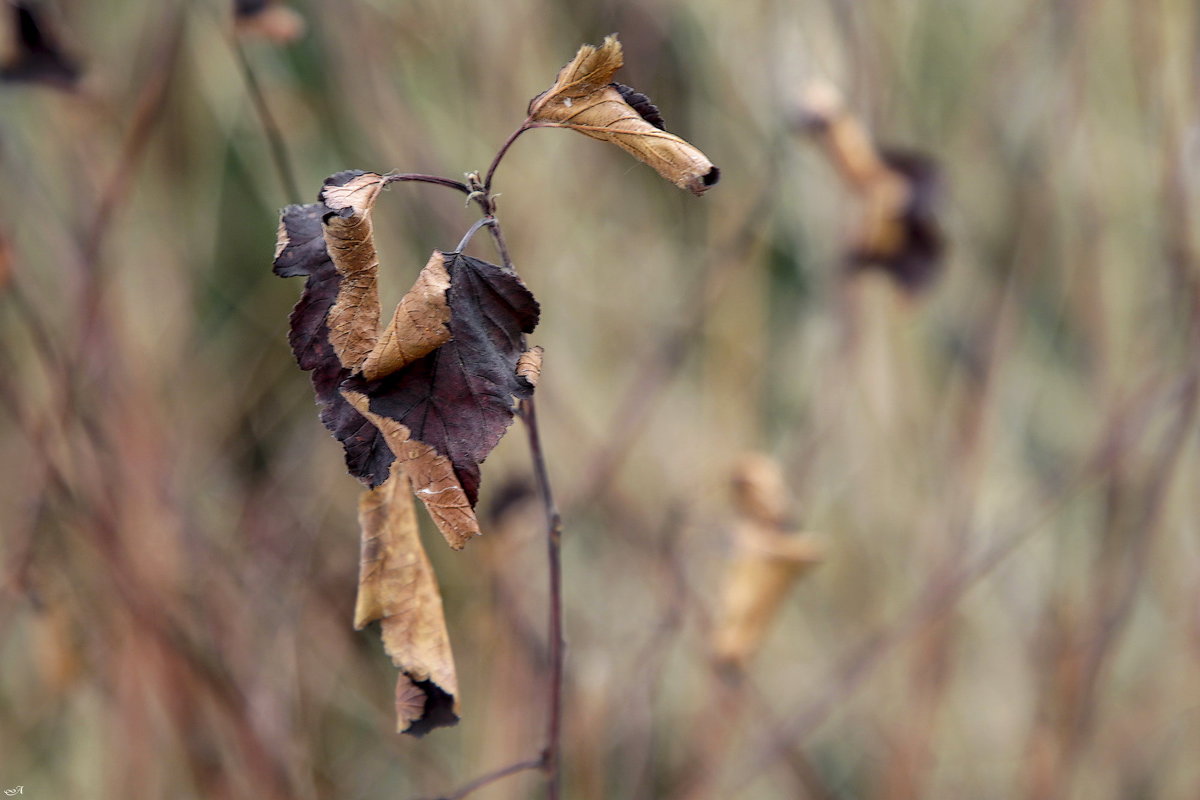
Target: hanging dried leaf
[[419, 326], [269, 19], [459, 399], [431, 476], [899, 232], [584, 98], [766, 562], [301, 251], [396, 586], [35, 55], [353, 320]]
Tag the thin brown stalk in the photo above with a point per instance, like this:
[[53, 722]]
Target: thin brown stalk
[[279, 154], [492, 777]]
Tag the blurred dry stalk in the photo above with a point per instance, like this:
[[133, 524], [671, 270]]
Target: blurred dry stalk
[[1013, 609]]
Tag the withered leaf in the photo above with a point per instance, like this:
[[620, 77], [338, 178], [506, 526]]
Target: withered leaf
[[908, 243], [430, 475], [585, 98], [301, 251], [397, 587], [900, 190], [353, 319], [36, 56], [269, 19], [459, 399], [767, 560]]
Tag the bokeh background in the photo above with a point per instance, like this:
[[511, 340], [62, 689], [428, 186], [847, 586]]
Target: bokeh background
[[1004, 469]]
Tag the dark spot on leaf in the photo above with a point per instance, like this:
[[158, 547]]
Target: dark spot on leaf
[[642, 105]]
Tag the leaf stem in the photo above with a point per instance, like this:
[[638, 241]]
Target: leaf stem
[[474, 229], [528, 124], [396, 177], [492, 777], [275, 143], [551, 759]]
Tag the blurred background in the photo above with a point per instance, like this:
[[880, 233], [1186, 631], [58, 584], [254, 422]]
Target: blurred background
[[1003, 469]]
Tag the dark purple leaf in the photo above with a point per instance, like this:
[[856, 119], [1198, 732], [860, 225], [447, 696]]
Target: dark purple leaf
[[459, 398]]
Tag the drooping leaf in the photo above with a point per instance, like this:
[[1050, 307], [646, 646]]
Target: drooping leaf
[[430, 474], [36, 56], [397, 587], [584, 98], [899, 232], [767, 560], [913, 252], [269, 19], [300, 251], [459, 399]]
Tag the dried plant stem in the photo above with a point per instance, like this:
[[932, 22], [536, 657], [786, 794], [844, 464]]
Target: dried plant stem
[[551, 753], [279, 154], [437, 180], [550, 760], [492, 777]]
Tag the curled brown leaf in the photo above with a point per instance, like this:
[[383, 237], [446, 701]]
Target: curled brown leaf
[[900, 190], [397, 587], [584, 98], [431, 475], [529, 365], [419, 326], [354, 318], [766, 562]]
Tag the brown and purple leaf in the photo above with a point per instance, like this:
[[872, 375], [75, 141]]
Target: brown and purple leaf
[[36, 56], [301, 251], [914, 260], [459, 399]]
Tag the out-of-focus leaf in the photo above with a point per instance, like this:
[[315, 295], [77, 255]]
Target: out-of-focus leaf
[[397, 587], [35, 55], [584, 98], [767, 560], [900, 190], [269, 19]]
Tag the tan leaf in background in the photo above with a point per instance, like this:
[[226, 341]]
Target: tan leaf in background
[[396, 586], [431, 476], [419, 325], [354, 318], [899, 230], [766, 561], [583, 97]]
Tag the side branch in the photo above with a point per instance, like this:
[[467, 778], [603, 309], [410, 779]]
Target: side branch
[[397, 177]]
